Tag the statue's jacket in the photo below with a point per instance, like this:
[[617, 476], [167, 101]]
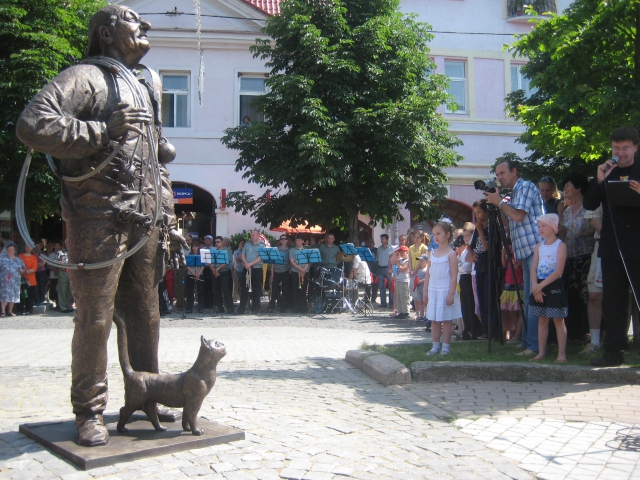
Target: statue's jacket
[[67, 119]]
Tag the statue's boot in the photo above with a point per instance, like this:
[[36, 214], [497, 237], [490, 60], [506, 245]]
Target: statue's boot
[[91, 430], [166, 415]]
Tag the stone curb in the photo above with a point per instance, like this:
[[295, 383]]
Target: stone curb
[[520, 372], [384, 369]]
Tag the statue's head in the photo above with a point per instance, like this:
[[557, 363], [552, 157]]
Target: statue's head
[[118, 32]]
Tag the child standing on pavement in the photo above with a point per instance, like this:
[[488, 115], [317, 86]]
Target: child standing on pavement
[[402, 283], [439, 291], [548, 298], [418, 283]]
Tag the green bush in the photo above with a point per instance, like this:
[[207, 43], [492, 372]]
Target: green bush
[[246, 236]]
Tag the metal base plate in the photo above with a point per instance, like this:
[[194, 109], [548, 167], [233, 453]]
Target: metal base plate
[[140, 441]]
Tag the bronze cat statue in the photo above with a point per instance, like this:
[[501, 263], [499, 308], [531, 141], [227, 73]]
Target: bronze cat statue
[[187, 390]]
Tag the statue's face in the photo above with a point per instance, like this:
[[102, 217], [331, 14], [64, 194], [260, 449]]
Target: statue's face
[[130, 35]]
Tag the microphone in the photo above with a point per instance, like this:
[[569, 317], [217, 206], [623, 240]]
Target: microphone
[[614, 161]]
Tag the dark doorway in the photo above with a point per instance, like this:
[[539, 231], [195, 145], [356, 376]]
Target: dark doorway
[[203, 217]]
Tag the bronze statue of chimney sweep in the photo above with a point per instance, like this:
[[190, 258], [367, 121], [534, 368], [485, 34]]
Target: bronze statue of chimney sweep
[[109, 103]]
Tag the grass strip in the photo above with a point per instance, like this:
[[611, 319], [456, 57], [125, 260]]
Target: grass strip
[[477, 351]]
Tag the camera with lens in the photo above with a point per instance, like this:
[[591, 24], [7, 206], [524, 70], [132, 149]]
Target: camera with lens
[[490, 186], [458, 242]]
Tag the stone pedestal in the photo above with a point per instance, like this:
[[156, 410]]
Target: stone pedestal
[[140, 441]]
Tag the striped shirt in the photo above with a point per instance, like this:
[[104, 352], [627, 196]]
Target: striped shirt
[[525, 236]]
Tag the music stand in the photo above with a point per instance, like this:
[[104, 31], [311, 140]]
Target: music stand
[[365, 254], [348, 248], [308, 255], [218, 257], [620, 194], [271, 256]]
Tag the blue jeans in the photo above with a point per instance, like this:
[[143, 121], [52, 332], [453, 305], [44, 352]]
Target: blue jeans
[[529, 337], [382, 274]]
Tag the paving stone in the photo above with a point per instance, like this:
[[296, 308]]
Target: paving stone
[[291, 474], [286, 384], [223, 467]]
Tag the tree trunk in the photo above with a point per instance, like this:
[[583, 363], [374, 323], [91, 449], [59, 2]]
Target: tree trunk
[[353, 226]]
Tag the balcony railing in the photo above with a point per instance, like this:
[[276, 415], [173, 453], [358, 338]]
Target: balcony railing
[[517, 8]]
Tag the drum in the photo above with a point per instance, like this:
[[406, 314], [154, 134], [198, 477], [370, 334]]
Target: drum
[[333, 278], [320, 275], [350, 284], [351, 290]]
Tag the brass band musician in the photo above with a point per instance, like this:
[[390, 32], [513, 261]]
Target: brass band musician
[[299, 278]]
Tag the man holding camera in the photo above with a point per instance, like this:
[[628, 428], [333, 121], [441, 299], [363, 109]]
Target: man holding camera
[[618, 239], [523, 210]]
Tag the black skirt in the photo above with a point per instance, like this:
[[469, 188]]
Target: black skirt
[[554, 303]]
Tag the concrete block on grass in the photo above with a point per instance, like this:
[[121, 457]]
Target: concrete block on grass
[[384, 369]]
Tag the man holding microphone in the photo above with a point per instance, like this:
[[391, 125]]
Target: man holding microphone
[[619, 235]]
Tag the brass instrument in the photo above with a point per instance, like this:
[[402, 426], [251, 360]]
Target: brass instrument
[[248, 280], [300, 279]]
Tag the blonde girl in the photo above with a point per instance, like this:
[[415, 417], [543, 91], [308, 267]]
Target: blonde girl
[[548, 298], [439, 291]]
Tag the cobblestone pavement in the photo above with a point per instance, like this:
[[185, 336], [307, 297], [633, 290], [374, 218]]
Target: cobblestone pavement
[[555, 430], [306, 412]]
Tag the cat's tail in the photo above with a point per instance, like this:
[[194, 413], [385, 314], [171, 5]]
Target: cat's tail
[[123, 346]]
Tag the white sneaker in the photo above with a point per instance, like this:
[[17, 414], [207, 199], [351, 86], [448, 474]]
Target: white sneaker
[[433, 351]]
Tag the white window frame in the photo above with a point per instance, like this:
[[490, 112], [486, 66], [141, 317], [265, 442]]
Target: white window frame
[[183, 73], [462, 80], [246, 73], [520, 78]]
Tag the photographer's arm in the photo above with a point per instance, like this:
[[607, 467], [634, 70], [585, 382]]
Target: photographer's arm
[[513, 213]]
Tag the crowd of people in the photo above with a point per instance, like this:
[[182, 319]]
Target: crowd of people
[[565, 259], [545, 284], [27, 281]]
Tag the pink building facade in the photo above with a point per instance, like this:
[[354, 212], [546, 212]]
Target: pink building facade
[[468, 47]]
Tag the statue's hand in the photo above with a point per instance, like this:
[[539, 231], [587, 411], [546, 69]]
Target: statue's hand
[[176, 243], [125, 118]]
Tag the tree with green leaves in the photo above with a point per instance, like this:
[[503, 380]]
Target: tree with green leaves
[[585, 65], [351, 124], [39, 38]]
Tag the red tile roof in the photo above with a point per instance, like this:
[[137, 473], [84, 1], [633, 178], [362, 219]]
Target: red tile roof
[[270, 7]]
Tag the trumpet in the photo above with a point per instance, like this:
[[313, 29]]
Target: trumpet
[[300, 280], [248, 280]]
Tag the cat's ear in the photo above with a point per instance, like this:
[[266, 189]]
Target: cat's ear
[[203, 340]]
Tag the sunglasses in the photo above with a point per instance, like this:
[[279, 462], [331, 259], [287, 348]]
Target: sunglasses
[[547, 180]]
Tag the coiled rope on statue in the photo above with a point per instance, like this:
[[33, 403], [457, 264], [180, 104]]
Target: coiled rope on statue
[[116, 69]]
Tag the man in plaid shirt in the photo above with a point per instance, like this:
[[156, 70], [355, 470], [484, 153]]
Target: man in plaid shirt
[[523, 210]]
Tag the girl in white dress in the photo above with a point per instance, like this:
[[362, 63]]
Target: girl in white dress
[[440, 295]]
